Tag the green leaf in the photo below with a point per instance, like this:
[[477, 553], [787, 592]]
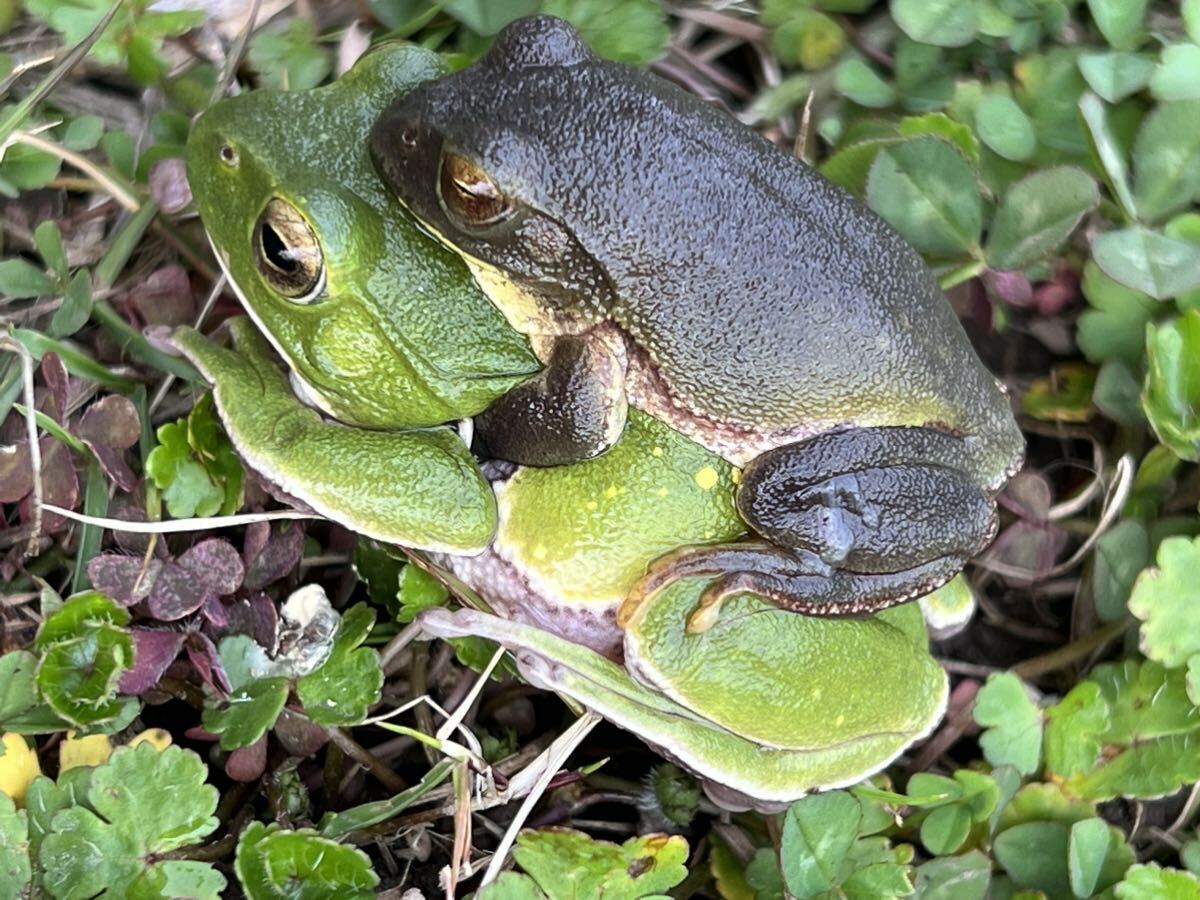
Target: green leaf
[[76, 307], [938, 124], [347, 685], [810, 39], [290, 59], [1178, 75], [48, 240], [857, 81], [945, 829], [17, 691], [851, 165], [1014, 724], [1166, 160], [1037, 214], [965, 877], [1166, 598], [85, 650], [926, 190], [567, 863], [20, 279], [1152, 882], [946, 23], [195, 465], [83, 133], [247, 714], [1115, 326], [1118, 394], [488, 16], [1116, 75], [629, 31], [1151, 739], [1035, 856], [1191, 19], [272, 862], [418, 590], [1173, 384], [1120, 21], [1074, 730], [1148, 261], [142, 803], [818, 832], [15, 871], [1004, 127], [1087, 848], [1108, 151]]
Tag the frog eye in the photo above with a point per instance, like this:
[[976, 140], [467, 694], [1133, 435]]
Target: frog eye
[[469, 195], [287, 252]]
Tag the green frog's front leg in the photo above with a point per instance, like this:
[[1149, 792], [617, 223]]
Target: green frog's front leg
[[854, 521], [418, 488]]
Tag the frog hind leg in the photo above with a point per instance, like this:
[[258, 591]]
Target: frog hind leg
[[573, 410], [851, 522]]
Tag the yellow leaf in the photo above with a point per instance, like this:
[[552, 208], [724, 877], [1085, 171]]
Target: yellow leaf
[[92, 750], [18, 767], [159, 738]]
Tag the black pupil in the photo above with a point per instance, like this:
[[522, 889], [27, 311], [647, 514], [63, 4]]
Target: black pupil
[[277, 252]]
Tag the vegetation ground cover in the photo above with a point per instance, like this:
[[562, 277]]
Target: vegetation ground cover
[[1044, 157]]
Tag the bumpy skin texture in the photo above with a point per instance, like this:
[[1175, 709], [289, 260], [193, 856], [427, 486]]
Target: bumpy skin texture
[[763, 296], [757, 309]]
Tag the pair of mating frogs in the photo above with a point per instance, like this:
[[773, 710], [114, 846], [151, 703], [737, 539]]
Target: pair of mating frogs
[[715, 391]]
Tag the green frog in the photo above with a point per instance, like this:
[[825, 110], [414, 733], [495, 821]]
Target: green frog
[[387, 339], [663, 257]]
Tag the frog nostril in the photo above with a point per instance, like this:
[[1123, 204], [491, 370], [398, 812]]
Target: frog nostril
[[408, 137], [228, 155]]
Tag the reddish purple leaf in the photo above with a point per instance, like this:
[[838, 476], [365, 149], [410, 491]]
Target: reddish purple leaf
[[153, 651], [202, 653], [248, 763], [1013, 288], [16, 472], [255, 616], [214, 563], [299, 736], [169, 185], [60, 485], [111, 421], [125, 579], [176, 593], [112, 462], [277, 558], [214, 611], [54, 376]]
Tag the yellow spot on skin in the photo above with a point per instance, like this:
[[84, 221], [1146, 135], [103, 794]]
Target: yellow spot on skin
[[816, 694], [593, 504], [707, 478], [540, 551], [736, 476], [611, 491], [661, 492], [708, 533], [658, 451], [839, 721]]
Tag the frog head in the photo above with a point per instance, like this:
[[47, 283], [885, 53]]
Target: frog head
[[381, 327]]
